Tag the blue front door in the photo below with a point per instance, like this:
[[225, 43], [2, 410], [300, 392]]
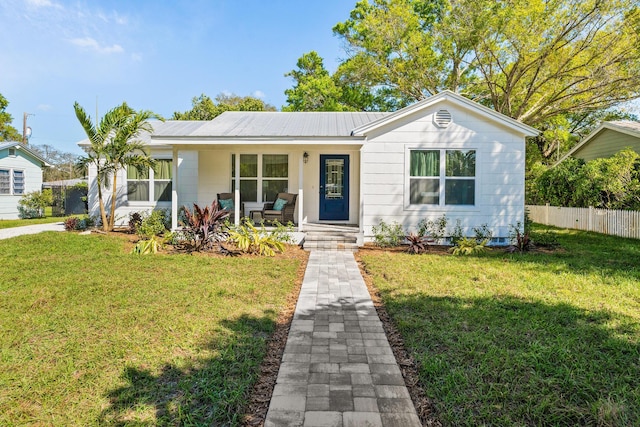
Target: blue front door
[[334, 187]]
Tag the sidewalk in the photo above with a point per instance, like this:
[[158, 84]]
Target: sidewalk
[[7, 233], [338, 368]]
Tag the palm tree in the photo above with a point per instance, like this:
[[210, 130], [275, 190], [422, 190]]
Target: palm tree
[[114, 145]]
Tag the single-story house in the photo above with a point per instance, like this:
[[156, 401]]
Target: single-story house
[[606, 140], [20, 173], [443, 155]]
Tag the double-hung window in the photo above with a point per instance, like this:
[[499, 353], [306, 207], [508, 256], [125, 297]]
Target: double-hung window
[[11, 181], [262, 177], [442, 177], [5, 181], [150, 185]]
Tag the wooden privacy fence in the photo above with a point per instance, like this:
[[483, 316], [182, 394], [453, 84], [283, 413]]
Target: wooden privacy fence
[[606, 221]]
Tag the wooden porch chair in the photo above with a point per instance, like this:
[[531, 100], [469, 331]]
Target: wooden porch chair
[[285, 213], [227, 201]]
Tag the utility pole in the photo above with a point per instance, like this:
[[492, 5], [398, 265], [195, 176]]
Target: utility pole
[[26, 130]]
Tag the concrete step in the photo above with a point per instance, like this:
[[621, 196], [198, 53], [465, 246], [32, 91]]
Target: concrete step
[[329, 245], [333, 236]]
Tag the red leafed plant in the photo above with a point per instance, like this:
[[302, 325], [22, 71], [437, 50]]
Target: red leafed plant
[[417, 244], [204, 226]]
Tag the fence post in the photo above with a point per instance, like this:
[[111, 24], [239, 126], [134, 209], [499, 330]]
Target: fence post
[[590, 218], [546, 214]]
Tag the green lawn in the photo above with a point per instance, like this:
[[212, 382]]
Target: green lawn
[[532, 339], [10, 223], [90, 335]]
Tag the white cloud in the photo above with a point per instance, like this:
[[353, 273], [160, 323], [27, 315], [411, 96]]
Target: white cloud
[[90, 43], [119, 19], [44, 107], [258, 94], [136, 57], [43, 3]]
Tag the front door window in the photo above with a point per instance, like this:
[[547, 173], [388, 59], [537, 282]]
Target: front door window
[[334, 179]]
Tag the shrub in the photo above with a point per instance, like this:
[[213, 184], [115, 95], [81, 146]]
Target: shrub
[[519, 235], [388, 235], [256, 241], [435, 229], [148, 246], [483, 233], [31, 205], [282, 233], [135, 220], [71, 223], [457, 233], [545, 239], [74, 223], [417, 244], [204, 227], [85, 222], [153, 224], [469, 246]]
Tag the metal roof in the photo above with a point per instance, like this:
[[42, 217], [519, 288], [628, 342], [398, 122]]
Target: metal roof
[[627, 124], [21, 146], [241, 124]]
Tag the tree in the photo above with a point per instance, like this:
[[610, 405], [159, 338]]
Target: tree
[[204, 108], [610, 183], [542, 62], [7, 132], [62, 163], [315, 89], [114, 145]]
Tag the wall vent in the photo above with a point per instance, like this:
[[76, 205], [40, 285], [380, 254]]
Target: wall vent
[[442, 118], [12, 152]]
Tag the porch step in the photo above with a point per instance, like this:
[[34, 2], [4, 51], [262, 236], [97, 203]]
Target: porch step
[[332, 240]]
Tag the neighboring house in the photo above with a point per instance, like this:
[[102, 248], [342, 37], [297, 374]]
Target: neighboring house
[[20, 173], [443, 155], [608, 139]]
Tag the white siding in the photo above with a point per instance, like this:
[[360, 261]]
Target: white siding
[[499, 171], [32, 180], [123, 206]]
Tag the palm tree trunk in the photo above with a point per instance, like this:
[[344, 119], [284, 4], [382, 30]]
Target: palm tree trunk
[[103, 213], [112, 216]]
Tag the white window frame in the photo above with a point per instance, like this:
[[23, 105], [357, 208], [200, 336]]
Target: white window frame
[[151, 180], [9, 172], [441, 206], [12, 181], [260, 178]]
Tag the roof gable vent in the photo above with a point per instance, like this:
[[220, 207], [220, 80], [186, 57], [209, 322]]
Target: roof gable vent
[[442, 118], [12, 152]]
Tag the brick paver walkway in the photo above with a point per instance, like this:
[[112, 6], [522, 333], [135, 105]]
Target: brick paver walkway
[[338, 368]]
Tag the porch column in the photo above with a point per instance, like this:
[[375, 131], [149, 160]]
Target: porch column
[[174, 190], [300, 191], [236, 195]]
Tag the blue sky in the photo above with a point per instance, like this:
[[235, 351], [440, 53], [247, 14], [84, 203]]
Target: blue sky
[[155, 55]]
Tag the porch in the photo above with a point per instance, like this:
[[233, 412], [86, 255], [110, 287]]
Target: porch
[[324, 178]]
